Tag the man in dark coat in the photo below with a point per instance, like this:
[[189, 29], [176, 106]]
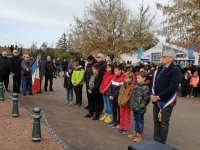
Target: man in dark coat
[[87, 75], [82, 63], [49, 72], [64, 67], [192, 67], [164, 91], [15, 68], [4, 70], [40, 64]]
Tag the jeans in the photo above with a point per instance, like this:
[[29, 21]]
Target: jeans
[[69, 95], [125, 118], [139, 122], [78, 93], [27, 83], [161, 128], [108, 105]]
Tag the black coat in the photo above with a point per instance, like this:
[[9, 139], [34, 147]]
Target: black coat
[[64, 65], [192, 68], [4, 65], [67, 81], [185, 83], [15, 65], [102, 69], [88, 73]]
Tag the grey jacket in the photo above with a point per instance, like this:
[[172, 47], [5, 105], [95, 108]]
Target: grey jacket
[[24, 66]]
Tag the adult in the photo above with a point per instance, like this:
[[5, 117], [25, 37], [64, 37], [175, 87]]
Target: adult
[[102, 69], [49, 72], [82, 63], [87, 75], [57, 63], [26, 75], [40, 64], [15, 68], [186, 69], [64, 67], [192, 67], [165, 86], [198, 86], [4, 70]]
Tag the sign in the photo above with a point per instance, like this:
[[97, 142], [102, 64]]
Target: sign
[[145, 60]]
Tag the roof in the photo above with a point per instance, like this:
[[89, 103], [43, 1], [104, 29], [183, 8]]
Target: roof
[[24, 50], [197, 49]]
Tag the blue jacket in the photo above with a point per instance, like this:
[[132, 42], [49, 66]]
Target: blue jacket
[[168, 82]]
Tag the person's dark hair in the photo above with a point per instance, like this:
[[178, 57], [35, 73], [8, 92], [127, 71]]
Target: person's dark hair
[[112, 67], [143, 74], [90, 57], [119, 67], [96, 66]]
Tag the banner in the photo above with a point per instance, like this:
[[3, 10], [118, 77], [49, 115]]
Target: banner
[[140, 51], [191, 51], [35, 77]]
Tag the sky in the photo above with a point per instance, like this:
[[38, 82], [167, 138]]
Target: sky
[[37, 21]]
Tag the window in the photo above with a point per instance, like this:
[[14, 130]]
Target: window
[[155, 57]]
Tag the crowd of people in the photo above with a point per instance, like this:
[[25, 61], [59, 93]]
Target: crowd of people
[[117, 89]]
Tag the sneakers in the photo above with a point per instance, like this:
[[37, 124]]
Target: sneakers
[[192, 96], [108, 119], [115, 125], [103, 118], [119, 130], [126, 132], [138, 138], [70, 103], [132, 135], [75, 104], [66, 102], [79, 105], [188, 95], [110, 124]]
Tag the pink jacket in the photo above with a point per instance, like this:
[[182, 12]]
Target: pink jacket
[[194, 81]]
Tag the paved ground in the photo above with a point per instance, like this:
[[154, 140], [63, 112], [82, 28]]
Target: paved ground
[[85, 134]]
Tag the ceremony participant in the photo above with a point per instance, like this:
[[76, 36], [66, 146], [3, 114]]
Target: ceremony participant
[[117, 81], [77, 81], [40, 64], [124, 97], [104, 88], [82, 63], [94, 85], [164, 94], [194, 80], [64, 67], [69, 86], [15, 68], [4, 70], [185, 84], [49, 72], [26, 75], [138, 105], [57, 63], [87, 75]]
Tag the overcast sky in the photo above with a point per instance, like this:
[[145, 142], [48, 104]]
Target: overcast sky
[[28, 21]]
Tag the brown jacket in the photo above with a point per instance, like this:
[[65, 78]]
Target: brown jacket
[[24, 66], [125, 94]]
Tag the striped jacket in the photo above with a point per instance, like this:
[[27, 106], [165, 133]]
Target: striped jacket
[[115, 85]]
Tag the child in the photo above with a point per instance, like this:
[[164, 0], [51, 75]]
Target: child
[[125, 95], [194, 80], [94, 84], [104, 87], [117, 81], [68, 86], [138, 105], [77, 81], [185, 84]]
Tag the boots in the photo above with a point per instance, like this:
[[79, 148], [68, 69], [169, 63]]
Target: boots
[[138, 138], [133, 135]]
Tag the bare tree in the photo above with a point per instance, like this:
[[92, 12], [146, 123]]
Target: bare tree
[[108, 26], [182, 22]]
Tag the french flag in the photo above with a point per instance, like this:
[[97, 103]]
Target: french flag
[[35, 77]]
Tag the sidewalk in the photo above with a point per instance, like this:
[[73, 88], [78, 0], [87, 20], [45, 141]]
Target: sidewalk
[[16, 132]]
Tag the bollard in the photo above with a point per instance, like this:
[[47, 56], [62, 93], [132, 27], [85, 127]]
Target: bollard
[[36, 133], [15, 110], [1, 92]]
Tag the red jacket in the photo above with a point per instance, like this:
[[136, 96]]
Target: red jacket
[[105, 83]]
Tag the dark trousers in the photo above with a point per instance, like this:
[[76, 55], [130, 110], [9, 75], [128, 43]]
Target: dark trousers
[[184, 90], [95, 104], [89, 97], [78, 93], [16, 83], [161, 127], [193, 90], [48, 78], [5, 79], [116, 111], [40, 85]]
